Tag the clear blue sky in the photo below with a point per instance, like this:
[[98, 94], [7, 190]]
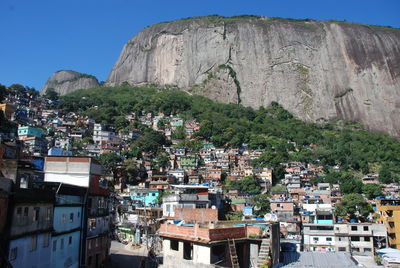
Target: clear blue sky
[[39, 37]]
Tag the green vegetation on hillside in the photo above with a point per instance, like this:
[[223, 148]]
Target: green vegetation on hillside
[[272, 129]]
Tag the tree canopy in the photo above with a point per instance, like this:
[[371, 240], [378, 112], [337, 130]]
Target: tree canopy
[[352, 204]]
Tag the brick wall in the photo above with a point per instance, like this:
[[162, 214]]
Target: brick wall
[[193, 215], [207, 234]]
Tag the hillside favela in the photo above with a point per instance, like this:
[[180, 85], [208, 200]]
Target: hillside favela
[[214, 141]]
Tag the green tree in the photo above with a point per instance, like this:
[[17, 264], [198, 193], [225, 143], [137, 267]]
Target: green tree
[[110, 161], [349, 185], [351, 204], [3, 92], [162, 161], [261, 204], [131, 168], [247, 185], [179, 133], [235, 216], [51, 94], [372, 190], [385, 176]]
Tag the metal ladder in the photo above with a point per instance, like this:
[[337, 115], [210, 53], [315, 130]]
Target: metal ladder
[[232, 251]]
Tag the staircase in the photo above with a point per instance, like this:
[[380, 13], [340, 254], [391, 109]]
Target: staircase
[[232, 251], [263, 255]]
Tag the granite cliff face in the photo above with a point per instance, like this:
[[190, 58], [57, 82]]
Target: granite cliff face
[[316, 70], [66, 81]]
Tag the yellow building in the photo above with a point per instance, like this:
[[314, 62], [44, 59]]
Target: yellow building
[[8, 110], [388, 211]]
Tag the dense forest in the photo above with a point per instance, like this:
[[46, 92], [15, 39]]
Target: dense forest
[[272, 129]]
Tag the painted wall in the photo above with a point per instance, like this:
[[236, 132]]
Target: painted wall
[[40, 257], [67, 218], [65, 250], [149, 199], [30, 132]]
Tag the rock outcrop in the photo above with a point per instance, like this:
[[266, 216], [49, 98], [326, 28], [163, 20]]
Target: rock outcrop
[[316, 70], [66, 81]]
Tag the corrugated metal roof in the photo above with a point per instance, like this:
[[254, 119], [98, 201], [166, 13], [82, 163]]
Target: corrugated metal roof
[[317, 260]]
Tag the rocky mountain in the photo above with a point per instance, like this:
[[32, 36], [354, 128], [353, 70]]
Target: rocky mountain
[[67, 81], [318, 70]]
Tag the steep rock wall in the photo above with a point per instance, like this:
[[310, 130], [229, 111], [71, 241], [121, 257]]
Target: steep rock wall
[[65, 81], [316, 70]]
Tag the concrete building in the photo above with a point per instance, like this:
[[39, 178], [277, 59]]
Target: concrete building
[[31, 226], [143, 197], [318, 237], [67, 223], [388, 211], [222, 244], [359, 238], [28, 131], [88, 173], [185, 196]]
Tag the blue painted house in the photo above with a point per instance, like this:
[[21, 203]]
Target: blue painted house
[[67, 223], [143, 197], [29, 131]]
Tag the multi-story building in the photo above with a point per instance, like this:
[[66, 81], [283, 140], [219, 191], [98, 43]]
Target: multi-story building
[[222, 244], [389, 214], [88, 173], [185, 196], [28, 131], [31, 227], [67, 222], [143, 197], [318, 237], [359, 238]]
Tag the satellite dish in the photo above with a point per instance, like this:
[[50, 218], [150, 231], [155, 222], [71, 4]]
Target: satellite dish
[[270, 217]]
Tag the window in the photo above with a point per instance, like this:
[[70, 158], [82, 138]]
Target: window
[[62, 243], [48, 214], [26, 211], [342, 249], [315, 239], [354, 228], [63, 219], [367, 250], [96, 242], [71, 217], [329, 239], [356, 249], [54, 245], [175, 245], [92, 224], [13, 253], [19, 212], [46, 239], [366, 228], [70, 240], [355, 238], [33, 243], [367, 238], [36, 212]]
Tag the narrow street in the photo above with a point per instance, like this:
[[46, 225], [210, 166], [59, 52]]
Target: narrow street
[[122, 257]]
